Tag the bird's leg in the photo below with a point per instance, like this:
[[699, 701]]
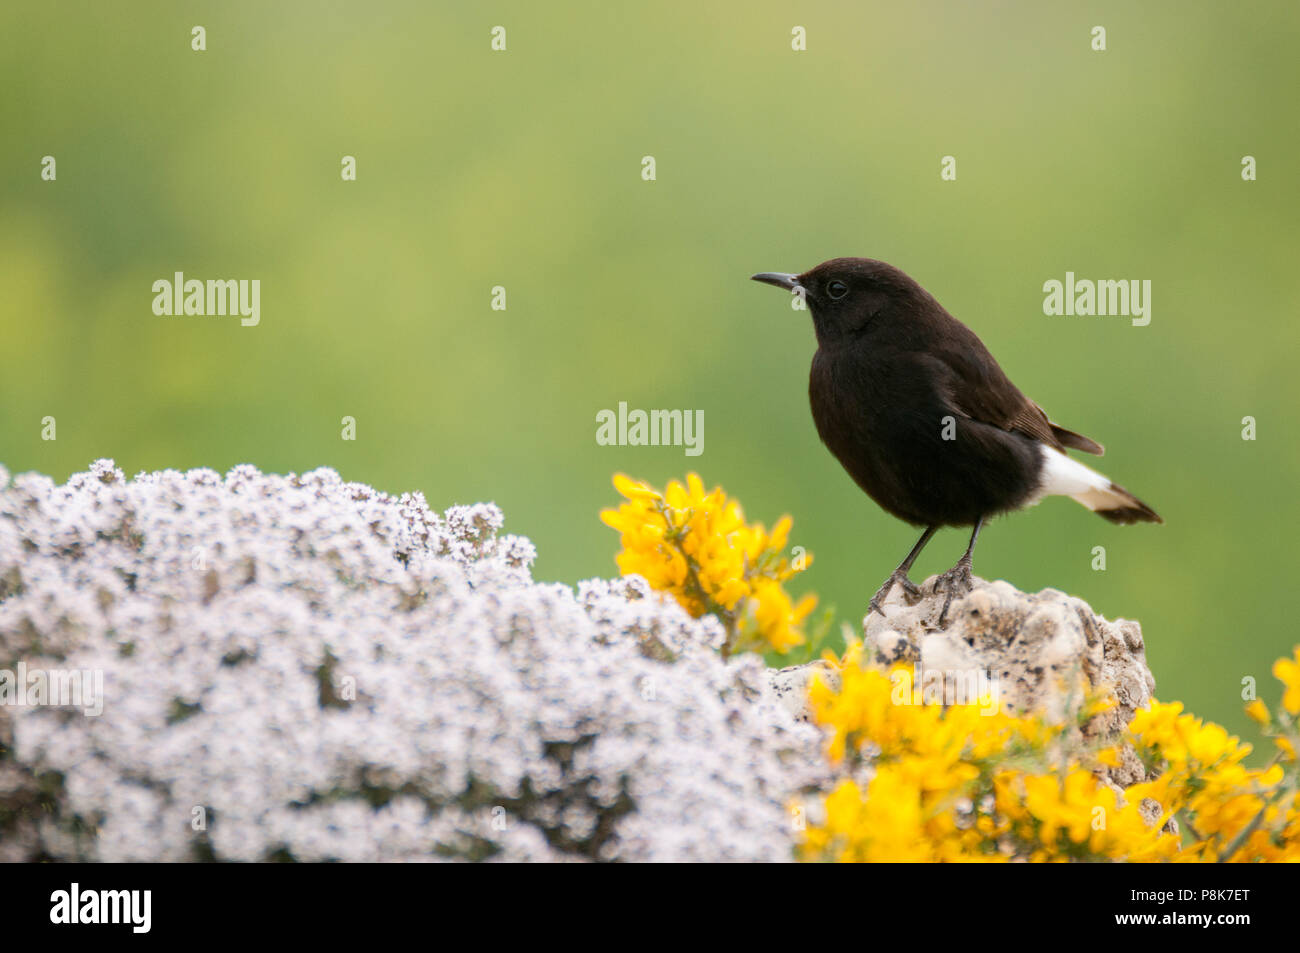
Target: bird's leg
[[959, 576], [899, 575]]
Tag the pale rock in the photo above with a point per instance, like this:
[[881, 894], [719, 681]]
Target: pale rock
[[1037, 646]]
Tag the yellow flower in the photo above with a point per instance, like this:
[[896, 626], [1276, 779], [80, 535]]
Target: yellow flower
[[695, 545], [976, 785], [775, 621], [1287, 671], [885, 823]]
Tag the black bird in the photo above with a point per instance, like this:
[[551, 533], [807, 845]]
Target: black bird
[[922, 417]]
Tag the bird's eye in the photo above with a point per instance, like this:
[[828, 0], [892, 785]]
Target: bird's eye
[[837, 289]]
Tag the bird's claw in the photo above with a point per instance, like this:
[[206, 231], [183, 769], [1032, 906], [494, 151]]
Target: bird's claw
[[956, 579], [912, 590]]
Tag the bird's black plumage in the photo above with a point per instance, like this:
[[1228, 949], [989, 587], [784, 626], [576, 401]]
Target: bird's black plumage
[[921, 416]]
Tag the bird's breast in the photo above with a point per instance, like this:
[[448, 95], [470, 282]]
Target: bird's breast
[[891, 428], [851, 407]]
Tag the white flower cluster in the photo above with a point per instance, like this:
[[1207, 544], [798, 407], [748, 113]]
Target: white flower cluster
[[296, 667]]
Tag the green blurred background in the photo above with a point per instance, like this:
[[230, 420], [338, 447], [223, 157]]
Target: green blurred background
[[523, 169]]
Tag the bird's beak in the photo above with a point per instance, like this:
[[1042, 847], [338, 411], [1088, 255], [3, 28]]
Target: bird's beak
[[780, 279]]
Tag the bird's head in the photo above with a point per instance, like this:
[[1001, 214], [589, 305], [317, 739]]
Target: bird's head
[[846, 294]]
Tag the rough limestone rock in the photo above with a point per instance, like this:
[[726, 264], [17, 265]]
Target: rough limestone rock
[[790, 685], [301, 668], [1035, 645]]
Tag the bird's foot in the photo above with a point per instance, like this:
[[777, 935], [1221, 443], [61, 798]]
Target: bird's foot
[[955, 581], [898, 576]]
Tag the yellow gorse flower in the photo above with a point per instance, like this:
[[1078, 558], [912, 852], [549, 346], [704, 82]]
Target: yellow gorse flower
[[967, 783], [1287, 671], [1233, 812], [696, 545]]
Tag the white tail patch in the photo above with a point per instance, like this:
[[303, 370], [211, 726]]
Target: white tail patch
[[1064, 476]]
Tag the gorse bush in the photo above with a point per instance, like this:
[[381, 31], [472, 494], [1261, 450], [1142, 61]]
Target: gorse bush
[[963, 783], [698, 547], [916, 780]]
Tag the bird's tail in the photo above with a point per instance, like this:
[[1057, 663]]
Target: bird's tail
[[1068, 477], [1119, 506]]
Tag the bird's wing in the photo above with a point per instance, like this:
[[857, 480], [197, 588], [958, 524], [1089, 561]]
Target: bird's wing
[[1076, 440], [981, 391]]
